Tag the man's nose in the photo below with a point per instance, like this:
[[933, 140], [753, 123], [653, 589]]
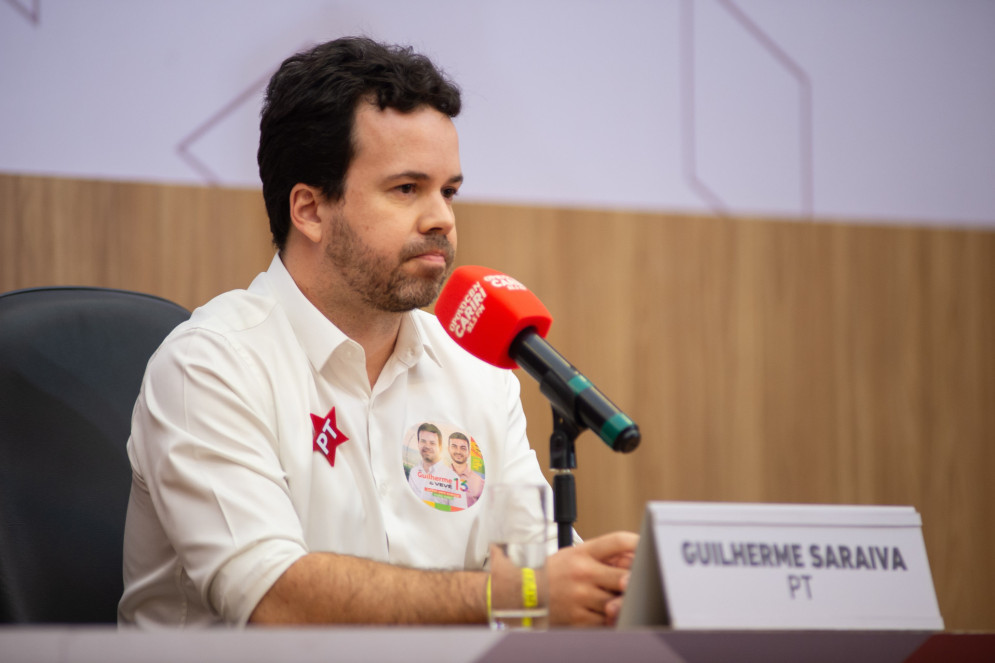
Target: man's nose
[[438, 216]]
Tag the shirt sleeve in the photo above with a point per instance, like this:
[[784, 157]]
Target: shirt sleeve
[[204, 443]]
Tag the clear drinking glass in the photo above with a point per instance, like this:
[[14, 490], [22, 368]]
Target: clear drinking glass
[[517, 530]]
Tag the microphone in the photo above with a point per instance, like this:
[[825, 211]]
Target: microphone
[[497, 319]]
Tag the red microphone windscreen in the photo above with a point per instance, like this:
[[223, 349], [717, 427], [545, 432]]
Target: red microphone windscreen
[[484, 310]]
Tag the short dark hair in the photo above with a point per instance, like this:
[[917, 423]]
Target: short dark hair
[[430, 428], [305, 132]]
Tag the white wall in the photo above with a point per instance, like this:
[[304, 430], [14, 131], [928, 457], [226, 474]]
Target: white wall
[[879, 110]]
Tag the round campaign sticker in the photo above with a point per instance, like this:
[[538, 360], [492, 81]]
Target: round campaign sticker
[[444, 466]]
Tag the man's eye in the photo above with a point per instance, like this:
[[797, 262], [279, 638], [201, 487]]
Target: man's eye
[[406, 188], [450, 192]]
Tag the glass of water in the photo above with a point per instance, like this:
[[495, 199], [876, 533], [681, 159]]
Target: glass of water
[[517, 530]]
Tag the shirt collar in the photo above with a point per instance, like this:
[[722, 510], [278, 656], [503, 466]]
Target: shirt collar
[[413, 341], [320, 338]]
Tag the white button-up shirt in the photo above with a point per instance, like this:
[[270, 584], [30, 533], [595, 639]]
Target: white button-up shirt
[[256, 439]]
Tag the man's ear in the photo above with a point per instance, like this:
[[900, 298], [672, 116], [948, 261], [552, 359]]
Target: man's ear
[[306, 211]]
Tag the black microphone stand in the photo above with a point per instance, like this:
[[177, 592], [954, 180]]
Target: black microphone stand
[[536, 357], [556, 376], [562, 460]]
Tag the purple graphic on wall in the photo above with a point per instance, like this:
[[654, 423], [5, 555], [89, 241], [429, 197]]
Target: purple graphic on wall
[[721, 35], [184, 147], [29, 9]]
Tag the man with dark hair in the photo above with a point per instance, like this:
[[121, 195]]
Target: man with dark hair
[[269, 437], [471, 483], [306, 132]]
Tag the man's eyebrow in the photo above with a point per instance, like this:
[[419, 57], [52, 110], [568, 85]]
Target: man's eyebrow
[[420, 176]]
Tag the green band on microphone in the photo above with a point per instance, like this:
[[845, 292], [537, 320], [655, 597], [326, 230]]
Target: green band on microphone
[[579, 383], [614, 426]]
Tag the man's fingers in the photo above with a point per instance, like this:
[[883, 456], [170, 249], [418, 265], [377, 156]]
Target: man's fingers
[[621, 560], [604, 550], [586, 580], [612, 610], [612, 545], [595, 601], [611, 579]]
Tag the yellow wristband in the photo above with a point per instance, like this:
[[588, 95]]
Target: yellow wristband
[[488, 597], [530, 593]]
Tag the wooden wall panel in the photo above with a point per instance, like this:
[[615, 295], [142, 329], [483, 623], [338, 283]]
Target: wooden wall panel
[[183, 243], [764, 360]]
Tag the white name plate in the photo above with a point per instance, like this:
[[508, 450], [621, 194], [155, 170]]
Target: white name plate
[[778, 566]]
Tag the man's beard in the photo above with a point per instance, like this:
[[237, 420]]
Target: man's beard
[[380, 282]]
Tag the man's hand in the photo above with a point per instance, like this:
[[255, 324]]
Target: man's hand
[[586, 581]]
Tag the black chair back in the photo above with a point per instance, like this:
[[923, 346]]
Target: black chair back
[[71, 365]]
